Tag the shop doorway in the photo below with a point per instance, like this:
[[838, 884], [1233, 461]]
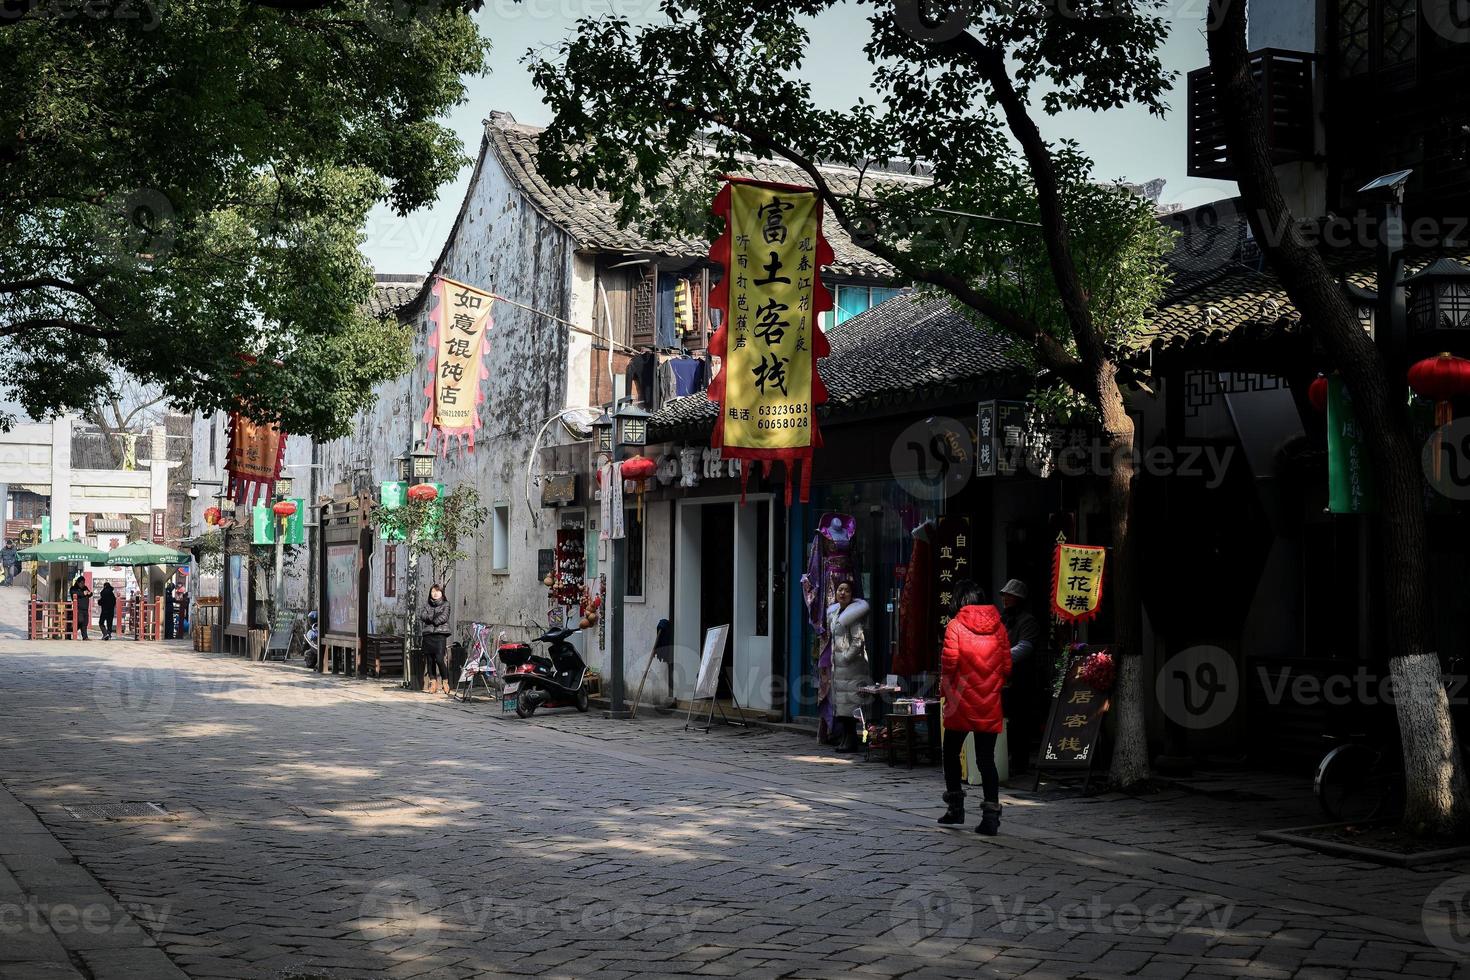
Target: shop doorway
[[723, 575]]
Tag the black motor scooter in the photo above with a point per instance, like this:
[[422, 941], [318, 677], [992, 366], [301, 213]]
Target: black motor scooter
[[558, 680]]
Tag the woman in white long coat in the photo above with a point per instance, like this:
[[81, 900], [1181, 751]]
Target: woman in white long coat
[[850, 667]]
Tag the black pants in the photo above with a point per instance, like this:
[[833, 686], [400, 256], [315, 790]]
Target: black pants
[[434, 644], [954, 749], [105, 621]]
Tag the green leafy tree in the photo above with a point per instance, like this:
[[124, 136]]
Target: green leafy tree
[[185, 181], [1069, 267], [435, 529]]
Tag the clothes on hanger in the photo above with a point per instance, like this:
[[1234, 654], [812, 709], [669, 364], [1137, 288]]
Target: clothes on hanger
[[640, 374]]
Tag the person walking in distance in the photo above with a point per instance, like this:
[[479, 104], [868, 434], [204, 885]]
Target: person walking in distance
[[8, 562], [81, 597], [106, 609], [973, 668], [435, 621]]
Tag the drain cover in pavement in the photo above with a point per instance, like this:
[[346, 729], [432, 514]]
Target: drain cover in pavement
[[117, 811]]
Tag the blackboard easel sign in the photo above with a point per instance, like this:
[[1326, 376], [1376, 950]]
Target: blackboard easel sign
[[1074, 727]]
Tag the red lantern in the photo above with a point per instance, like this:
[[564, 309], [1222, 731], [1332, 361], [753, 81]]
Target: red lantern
[[1441, 379], [639, 469], [212, 516], [1317, 394], [285, 508], [423, 492]]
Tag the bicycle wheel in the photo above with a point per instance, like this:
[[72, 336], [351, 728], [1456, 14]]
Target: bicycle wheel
[[1351, 784]]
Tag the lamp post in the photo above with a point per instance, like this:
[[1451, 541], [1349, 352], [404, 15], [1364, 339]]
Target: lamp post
[[283, 509], [414, 468], [631, 432]]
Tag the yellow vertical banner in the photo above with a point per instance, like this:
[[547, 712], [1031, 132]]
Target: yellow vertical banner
[[1077, 581], [459, 344], [769, 338]]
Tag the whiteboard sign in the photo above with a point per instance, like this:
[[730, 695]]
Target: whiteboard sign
[[708, 683]]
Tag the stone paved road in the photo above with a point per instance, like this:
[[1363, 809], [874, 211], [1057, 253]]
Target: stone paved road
[[325, 828]]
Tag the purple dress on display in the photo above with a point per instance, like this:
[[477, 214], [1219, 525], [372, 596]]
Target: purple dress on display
[[829, 561]]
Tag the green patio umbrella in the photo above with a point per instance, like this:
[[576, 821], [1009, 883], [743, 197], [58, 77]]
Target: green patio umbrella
[[63, 550], [145, 553]]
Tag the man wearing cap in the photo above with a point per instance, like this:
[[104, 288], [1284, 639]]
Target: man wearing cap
[[1023, 703]]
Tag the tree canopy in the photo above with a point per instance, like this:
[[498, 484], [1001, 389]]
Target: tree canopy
[[186, 182]]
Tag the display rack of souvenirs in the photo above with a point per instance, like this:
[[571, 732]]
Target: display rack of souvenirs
[[569, 573]]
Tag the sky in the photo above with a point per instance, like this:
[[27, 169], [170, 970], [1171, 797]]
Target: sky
[[1126, 144]]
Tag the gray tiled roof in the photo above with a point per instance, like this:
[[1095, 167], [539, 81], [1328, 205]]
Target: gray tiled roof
[[909, 349], [391, 293], [590, 217]]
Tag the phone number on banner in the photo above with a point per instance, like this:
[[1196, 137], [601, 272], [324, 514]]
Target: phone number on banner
[[783, 416]]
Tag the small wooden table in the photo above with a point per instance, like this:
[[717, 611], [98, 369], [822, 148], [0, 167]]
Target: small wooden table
[[909, 724]]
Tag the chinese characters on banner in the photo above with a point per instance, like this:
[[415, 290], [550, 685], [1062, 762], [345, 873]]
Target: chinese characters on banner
[[460, 342], [769, 338], [951, 563], [1076, 722], [1077, 581], [254, 461], [1349, 481]]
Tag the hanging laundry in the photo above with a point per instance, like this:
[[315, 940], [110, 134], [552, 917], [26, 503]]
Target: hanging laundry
[[691, 375]]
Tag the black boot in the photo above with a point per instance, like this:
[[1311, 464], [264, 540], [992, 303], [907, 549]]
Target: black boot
[[849, 741], [956, 812], [989, 819]]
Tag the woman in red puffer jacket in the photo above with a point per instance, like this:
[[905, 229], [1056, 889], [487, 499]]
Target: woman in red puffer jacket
[[973, 670]]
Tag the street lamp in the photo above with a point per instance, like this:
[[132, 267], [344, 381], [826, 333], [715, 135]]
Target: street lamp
[[416, 467], [1439, 307], [603, 428], [631, 425]]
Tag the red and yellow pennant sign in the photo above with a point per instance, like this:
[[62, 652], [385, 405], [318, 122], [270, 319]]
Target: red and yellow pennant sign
[[460, 343], [254, 459], [1077, 581], [769, 339]]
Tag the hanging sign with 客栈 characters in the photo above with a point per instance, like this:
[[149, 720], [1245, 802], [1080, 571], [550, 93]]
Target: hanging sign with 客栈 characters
[[254, 459], [458, 346], [769, 340]]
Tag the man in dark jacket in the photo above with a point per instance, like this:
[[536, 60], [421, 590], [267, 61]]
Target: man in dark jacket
[[1025, 691], [8, 562], [106, 609], [81, 597]]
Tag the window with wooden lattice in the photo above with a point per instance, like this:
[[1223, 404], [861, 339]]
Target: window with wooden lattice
[[643, 307]]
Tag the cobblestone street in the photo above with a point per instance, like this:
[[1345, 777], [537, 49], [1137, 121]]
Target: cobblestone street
[[327, 828]]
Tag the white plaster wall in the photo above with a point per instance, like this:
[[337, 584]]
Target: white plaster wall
[[25, 454], [641, 618], [503, 245]]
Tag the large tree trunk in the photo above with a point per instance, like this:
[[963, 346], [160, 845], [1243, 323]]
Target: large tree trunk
[[1130, 753], [1437, 799]]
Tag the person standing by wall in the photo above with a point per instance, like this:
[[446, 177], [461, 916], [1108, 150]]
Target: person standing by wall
[[973, 669], [1023, 700], [435, 621], [850, 667], [8, 563], [106, 609]]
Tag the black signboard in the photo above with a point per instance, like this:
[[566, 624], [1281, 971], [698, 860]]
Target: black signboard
[[953, 563], [1075, 725], [1000, 438], [559, 488], [545, 563]]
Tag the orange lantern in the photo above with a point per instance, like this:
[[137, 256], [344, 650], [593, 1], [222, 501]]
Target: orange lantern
[[1441, 379], [639, 469], [423, 492], [284, 508], [212, 515]]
